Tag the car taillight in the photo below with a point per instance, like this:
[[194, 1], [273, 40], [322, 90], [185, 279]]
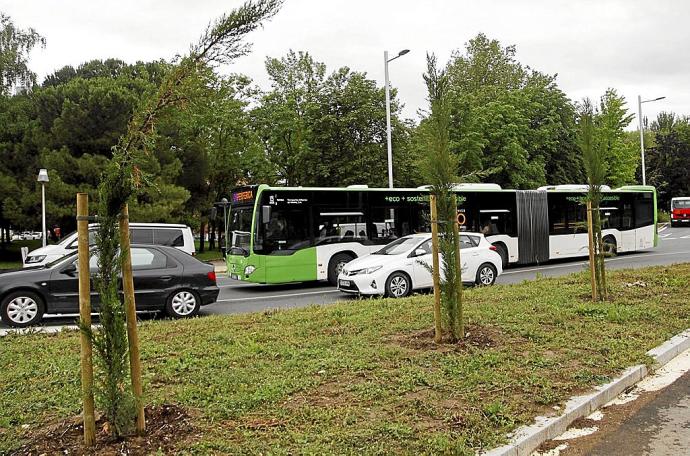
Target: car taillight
[[492, 247], [211, 276]]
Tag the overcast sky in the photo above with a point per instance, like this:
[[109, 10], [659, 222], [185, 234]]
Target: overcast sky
[[634, 46]]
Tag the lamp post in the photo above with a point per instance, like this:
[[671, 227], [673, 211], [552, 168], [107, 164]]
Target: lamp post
[[225, 221], [639, 111], [43, 179], [388, 114]]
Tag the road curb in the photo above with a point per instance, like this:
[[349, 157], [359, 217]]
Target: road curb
[[526, 439]]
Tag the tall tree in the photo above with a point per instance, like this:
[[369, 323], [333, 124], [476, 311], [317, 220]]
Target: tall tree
[[328, 130], [621, 153], [15, 45], [668, 161], [222, 42], [439, 168], [593, 142], [509, 124]]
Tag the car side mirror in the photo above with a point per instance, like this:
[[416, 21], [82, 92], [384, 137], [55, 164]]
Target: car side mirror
[[419, 252], [70, 270]]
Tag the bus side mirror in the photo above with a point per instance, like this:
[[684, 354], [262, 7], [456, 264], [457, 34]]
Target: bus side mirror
[[265, 214]]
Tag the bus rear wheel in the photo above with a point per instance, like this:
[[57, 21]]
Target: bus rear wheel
[[336, 265], [503, 252], [610, 246]]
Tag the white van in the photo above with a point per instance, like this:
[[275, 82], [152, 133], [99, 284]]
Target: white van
[[179, 236]]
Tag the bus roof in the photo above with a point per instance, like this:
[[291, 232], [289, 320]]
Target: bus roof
[[459, 187]]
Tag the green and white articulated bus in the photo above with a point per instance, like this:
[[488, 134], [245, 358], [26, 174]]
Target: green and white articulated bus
[[297, 234]]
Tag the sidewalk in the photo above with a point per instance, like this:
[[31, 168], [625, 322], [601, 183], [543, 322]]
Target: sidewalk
[[220, 266]]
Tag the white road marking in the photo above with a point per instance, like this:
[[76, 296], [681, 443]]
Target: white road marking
[[685, 237], [669, 238], [290, 295], [584, 263], [663, 228]]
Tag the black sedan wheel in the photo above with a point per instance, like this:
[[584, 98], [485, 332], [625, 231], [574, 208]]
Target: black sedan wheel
[[183, 304], [486, 275], [22, 308]]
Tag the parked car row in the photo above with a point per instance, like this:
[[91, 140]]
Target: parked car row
[[178, 236], [26, 236], [168, 278], [165, 279]]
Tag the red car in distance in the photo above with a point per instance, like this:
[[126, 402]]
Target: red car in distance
[[680, 211]]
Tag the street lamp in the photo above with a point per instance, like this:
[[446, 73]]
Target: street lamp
[[388, 114], [43, 179], [225, 203], [639, 108]]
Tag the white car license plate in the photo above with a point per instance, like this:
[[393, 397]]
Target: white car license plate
[[345, 283]]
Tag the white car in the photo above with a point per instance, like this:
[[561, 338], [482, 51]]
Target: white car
[[405, 265], [179, 236]]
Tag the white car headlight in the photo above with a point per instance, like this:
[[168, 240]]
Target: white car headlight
[[370, 270], [35, 259], [249, 269]]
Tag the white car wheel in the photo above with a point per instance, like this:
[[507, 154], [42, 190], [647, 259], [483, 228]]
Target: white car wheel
[[398, 285], [486, 275]]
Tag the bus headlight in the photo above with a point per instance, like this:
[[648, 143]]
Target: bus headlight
[[249, 269]]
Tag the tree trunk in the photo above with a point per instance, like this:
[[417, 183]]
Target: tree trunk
[[212, 235], [202, 234]]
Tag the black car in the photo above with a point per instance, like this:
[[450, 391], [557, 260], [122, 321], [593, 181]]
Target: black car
[[165, 278]]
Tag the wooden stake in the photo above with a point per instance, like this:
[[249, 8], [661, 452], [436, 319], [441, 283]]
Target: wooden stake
[[85, 316], [592, 266], [130, 311], [458, 270], [436, 270]]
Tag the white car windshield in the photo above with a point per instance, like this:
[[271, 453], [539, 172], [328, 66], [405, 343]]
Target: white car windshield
[[399, 246], [681, 204]]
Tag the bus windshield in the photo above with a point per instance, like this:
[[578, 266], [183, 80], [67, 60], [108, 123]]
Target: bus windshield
[[240, 227]]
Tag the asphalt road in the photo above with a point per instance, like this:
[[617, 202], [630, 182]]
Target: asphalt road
[[240, 297], [659, 428]]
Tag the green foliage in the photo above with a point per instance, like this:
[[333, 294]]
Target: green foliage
[[509, 124], [125, 176], [620, 152], [328, 130], [594, 146], [15, 45], [668, 160], [439, 168]]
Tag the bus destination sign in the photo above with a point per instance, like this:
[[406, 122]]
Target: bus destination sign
[[244, 196]]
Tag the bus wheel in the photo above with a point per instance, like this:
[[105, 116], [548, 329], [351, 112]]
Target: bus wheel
[[503, 252], [610, 246], [336, 265]]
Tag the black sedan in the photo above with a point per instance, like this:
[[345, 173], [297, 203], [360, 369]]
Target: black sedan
[[165, 278]]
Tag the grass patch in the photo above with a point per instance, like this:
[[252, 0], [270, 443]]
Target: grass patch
[[207, 254], [11, 256], [360, 377]]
